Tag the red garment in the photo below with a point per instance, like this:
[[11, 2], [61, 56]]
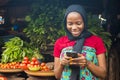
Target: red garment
[[93, 41]]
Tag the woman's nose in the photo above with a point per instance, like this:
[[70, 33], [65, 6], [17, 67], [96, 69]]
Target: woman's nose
[[74, 27]]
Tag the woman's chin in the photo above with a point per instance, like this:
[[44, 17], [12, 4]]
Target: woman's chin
[[75, 35]]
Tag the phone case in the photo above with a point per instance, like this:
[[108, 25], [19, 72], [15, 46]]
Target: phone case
[[72, 54]]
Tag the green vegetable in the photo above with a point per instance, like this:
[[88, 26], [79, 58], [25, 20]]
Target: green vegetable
[[16, 49]]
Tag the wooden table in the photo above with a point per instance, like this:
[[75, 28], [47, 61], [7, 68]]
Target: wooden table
[[40, 75], [11, 74]]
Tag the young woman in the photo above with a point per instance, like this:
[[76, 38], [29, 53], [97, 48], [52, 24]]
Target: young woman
[[90, 64]]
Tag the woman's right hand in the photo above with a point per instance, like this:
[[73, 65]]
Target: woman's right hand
[[65, 60]]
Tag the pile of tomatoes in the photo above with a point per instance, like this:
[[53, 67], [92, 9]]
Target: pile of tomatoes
[[26, 64], [12, 65], [33, 64]]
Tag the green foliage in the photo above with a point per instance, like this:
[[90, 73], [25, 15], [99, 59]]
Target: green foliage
[[45, 27], [95, 28], [16, 49]]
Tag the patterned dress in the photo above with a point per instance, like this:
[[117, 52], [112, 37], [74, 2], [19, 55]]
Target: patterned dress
[[85, 74], [90, 51]]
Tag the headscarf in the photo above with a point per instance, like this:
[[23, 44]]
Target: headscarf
[[79, 39]]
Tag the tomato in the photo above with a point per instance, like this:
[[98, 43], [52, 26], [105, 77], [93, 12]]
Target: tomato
[[36, 65], [24, 62], [25, 59], [43, 64], [23, 66], [17, 65], [37, 62], [45, 67], [9, 64], [31, 65], [34, 59], [28, 65], [28, 62], [32, 62], [8, 67]]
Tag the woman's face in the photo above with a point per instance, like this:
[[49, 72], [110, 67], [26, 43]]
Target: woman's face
[[75, 23]]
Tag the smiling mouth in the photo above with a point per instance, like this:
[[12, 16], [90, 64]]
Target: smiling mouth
[[76, 33]]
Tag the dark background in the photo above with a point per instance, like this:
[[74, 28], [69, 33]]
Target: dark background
[[110, 9]]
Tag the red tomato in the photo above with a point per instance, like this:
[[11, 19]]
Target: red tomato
[[37, 62], [32, 62], [26, 58], [24, 62], [23, 66], [43, 64], [28, 62], [31, 65], [36, 65], [34, 59], [45, 67], [17, 65]]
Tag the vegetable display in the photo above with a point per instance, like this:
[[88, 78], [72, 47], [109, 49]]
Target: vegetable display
[[16, 49], [33, 65]]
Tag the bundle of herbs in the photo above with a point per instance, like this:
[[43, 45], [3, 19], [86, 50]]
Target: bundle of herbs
[[16, 49]]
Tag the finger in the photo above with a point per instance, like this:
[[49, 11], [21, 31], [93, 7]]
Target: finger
[[79, 55], [78, 59], [82, 64], [66, 62], [63, 63], [66, 57], [74, 63]]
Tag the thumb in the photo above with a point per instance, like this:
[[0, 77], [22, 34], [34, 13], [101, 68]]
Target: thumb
[[80, 55]]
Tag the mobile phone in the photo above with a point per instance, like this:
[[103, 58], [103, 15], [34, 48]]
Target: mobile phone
[[72, 54]]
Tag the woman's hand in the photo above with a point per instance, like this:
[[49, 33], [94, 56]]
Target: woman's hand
[[81, 60], [65, 60]]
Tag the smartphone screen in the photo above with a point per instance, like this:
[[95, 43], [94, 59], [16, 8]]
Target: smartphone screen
[[72, 54]]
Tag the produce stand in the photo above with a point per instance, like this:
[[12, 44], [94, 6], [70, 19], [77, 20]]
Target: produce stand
[[11, 74], [40, 75]]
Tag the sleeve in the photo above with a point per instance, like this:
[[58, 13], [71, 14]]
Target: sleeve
[[100, 47], [56, 52]]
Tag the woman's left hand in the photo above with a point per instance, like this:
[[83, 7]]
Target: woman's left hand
[[81, 60]]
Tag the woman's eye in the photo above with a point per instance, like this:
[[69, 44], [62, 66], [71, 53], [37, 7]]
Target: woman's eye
[[69, 23], [79, 23]]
